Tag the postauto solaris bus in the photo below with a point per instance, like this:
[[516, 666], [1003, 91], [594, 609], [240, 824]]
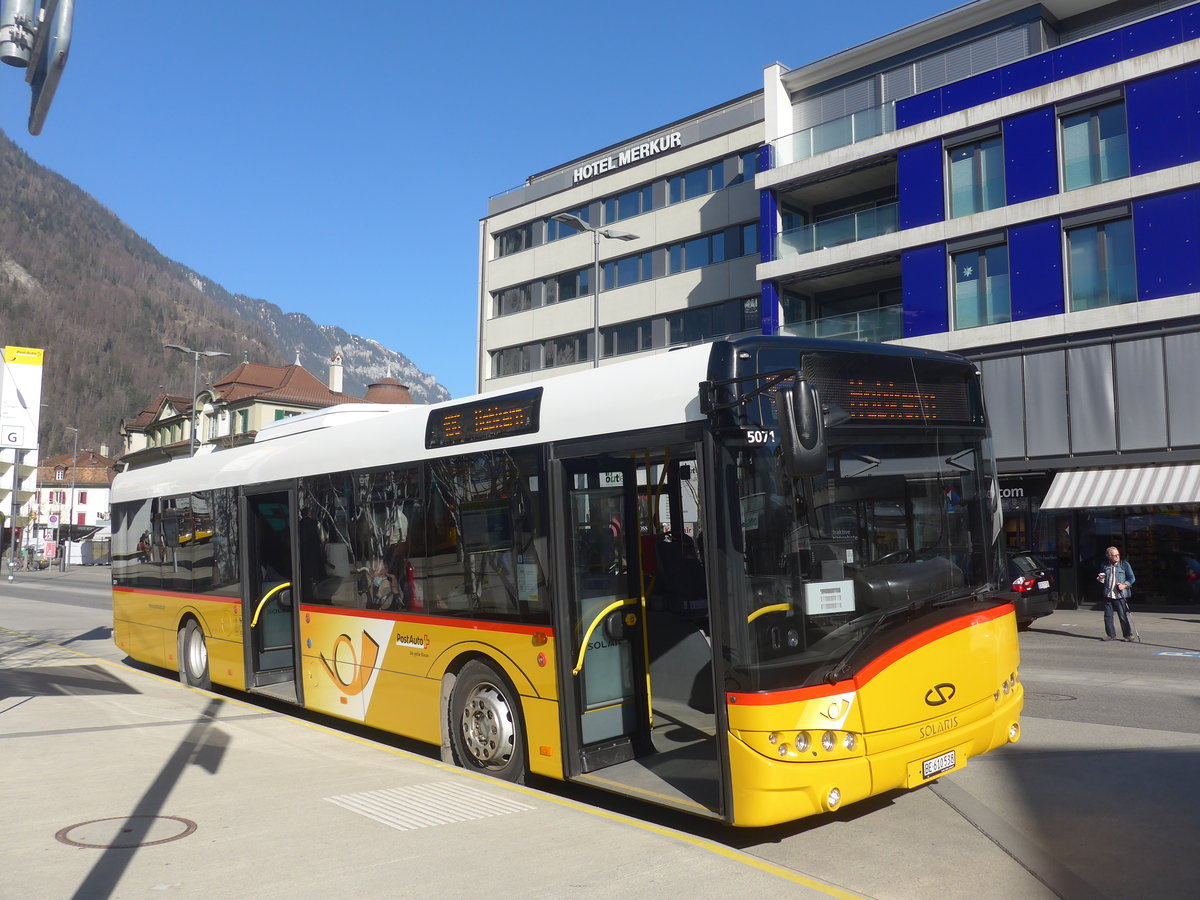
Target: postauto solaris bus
[[752, 580]]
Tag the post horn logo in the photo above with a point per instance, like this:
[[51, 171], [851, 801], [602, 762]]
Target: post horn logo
[[349, 670], [940, 694]]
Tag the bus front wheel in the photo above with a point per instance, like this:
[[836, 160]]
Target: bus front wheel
[[485, 724], [193, 656]]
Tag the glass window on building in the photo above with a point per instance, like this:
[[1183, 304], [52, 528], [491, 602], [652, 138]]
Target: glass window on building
[[697, 182], [514, 240], [1095, 146], [512, 300], [1100, 265], [749, 239], [981, 294], [749, 165], [631, 203], [558, 230], [564, 351], [976, 177], [628, 270]]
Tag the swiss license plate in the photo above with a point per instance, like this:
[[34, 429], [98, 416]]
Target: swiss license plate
[[1043, 585], [937, 765]]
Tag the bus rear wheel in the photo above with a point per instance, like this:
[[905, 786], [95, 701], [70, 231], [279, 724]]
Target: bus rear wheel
[[486, 733], [193, 656]]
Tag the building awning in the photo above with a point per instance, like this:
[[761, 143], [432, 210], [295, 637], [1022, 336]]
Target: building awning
[[1132, 486]]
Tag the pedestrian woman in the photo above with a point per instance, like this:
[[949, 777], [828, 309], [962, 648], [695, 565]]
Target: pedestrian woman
[[1116, 576]]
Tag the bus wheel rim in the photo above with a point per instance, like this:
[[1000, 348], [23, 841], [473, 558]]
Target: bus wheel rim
[[197, 653], [487, 727]]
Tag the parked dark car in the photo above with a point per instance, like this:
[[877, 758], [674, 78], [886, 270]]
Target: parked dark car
[[1031, 588]]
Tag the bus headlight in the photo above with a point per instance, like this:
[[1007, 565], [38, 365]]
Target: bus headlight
[[850, 742], [833, 798], [828, 741], [802, 742]]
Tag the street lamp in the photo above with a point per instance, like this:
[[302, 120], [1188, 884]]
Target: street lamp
[[196, 354], [579, 225], [66, 560]]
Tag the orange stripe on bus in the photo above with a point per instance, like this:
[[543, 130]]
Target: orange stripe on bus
[[876, 666]]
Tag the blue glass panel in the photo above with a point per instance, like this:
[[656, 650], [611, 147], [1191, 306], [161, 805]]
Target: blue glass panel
[[1035, 262], [923, 275], [1168, 227], [1031, 158], [919, 171], [1152, 34], [1027, 74], [918, 108], [969, 92]]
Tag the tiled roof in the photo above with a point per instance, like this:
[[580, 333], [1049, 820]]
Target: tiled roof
[[90, 468], [151, 413], [283, 384]]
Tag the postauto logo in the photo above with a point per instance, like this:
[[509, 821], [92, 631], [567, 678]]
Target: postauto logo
[[940, 694]]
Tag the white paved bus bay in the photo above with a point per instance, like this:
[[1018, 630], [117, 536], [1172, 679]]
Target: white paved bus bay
[[279, 804], [285, 808]]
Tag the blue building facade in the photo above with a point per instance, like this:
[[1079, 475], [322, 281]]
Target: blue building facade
[[1019, 184], [1015, 182]]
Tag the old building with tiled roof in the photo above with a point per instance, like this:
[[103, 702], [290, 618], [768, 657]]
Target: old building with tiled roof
[[71, 501], [235, 407]]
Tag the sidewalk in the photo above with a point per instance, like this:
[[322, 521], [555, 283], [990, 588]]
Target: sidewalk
[[121, 783]]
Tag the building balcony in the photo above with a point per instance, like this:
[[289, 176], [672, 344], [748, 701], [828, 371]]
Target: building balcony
[[871, 325], [843, 132], [848, 229]]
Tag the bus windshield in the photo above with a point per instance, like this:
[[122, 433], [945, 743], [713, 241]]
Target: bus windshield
[[901, 529]]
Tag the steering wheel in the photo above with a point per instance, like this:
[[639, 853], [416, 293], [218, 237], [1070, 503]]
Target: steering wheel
[[897, 556]]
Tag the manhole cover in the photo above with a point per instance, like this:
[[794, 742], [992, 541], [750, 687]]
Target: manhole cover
[[126, 832], [1036, 695]]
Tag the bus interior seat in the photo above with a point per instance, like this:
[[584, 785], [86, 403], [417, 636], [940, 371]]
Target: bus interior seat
[[679, 585]]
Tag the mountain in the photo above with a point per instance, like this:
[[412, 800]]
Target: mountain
[[79, 283]]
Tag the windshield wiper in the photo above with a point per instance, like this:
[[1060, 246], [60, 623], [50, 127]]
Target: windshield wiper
[[945, 598], [835, 674]]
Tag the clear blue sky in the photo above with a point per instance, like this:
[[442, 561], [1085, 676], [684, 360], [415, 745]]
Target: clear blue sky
[[339, 166]]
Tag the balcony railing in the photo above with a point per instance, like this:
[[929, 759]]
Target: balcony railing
[[857, 226], [874, 325], [843, 132]]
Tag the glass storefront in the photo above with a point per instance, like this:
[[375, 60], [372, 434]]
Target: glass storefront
[[1162, 543]]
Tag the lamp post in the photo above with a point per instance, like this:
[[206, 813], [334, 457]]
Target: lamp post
[[579, 225], [66, 560], [196, 354]]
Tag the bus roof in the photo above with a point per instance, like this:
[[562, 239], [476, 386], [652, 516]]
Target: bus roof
[[650, 392]]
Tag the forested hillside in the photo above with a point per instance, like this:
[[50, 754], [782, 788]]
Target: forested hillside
[[77, 282]]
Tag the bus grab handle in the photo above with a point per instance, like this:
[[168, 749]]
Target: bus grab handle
[[261, 603], [595, 622]]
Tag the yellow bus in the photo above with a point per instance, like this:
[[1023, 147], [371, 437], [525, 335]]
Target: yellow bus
[[752, 580]]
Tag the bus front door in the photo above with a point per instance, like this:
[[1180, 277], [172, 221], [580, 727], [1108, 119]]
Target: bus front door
[[640, 670], [607, 656], [270, 600]]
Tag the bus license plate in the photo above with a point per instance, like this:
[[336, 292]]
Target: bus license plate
[[938, 765]]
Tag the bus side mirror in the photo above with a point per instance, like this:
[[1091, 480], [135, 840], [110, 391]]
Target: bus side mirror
[[801, 429]]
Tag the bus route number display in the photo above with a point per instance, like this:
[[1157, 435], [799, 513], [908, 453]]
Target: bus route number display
[[484, 420]]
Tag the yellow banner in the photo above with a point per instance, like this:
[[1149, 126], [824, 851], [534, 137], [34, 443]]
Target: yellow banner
[[29, 356]]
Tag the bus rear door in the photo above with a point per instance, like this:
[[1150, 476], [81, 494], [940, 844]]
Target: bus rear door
[[270, 601]]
